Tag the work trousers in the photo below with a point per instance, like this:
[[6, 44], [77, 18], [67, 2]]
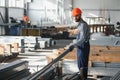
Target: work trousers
[[82, 58]]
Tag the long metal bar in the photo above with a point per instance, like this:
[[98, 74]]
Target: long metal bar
[[36, 75], [74, 76], [116, 76]]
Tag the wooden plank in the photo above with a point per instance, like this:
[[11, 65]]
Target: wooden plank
[[16, 47], [90, 63], [93, 47], [104, 49], [2, 52], [97, 58], [97, 48], [102, 57], [8, 49], [105, 52]]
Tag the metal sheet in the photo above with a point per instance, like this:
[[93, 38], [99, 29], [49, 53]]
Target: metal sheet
[[113, 65], [107, 65], [98, 64], [103, 71], [8, 70]]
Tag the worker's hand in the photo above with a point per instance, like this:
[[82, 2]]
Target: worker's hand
[[75, 31], [71, 47]]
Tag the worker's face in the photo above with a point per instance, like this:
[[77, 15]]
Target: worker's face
[[77, 18]]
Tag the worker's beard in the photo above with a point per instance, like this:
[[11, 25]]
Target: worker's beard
[[78, 19]]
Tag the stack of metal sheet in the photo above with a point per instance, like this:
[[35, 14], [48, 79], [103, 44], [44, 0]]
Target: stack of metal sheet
[[115, 77], [14, 70]]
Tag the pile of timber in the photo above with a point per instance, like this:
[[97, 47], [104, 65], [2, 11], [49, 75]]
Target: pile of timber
[[103, 60], [105, 53], [97, 53], [8, 51]]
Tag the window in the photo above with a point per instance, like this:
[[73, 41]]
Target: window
[[16, 3], [2, 2]]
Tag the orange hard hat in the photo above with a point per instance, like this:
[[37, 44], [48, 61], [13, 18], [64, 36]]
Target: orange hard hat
[[76, 11]]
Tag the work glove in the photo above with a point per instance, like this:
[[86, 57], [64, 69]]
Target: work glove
[[71, 47]]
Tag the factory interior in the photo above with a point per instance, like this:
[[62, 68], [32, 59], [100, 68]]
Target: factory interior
[[38, 40]]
